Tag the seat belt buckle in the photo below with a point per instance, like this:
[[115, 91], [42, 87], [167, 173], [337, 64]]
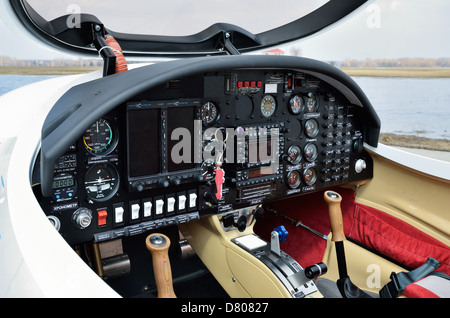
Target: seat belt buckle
[[391, 289]]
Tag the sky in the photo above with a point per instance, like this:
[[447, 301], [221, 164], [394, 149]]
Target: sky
[[383, 29]]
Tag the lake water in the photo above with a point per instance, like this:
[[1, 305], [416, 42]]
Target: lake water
[[11, 82], [410, 106]]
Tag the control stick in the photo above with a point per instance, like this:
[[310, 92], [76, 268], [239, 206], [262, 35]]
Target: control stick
[[344, 284], [158, 245]]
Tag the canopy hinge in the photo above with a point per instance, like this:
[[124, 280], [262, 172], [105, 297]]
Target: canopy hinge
[[228, 45], [104, 50]]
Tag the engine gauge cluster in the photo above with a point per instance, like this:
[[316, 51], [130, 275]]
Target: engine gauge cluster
[[311, 103], [296, 105], [293, 179], [311, 152], [310, 176], [311, 128], [294, 154]]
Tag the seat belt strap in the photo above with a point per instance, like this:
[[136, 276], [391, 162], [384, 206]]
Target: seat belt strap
[[401, 280]]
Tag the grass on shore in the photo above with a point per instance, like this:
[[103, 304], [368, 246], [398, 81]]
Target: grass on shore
[[47, 70], [414, 142], [372, 72], [399, 72]]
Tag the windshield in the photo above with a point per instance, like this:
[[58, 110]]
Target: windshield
[[180, 17]]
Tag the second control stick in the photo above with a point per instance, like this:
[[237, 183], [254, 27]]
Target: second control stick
[[158, 245], [344, 284]]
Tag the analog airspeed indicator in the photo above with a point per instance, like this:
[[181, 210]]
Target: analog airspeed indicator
[[100, 138]]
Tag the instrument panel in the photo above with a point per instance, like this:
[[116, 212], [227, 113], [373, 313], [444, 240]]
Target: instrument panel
[[202, 145]]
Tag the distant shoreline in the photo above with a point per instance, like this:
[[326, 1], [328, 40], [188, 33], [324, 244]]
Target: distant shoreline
[[415, 142], [370, 72], [47, 70], [399, 72]]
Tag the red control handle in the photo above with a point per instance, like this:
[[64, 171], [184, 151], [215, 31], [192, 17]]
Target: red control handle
[[219, 179]]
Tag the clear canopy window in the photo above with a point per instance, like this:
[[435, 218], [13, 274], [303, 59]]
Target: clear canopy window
[[181, 17]]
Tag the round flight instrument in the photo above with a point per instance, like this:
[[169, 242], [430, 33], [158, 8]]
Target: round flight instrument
[[311, 103], [294, 154], [268, 106], [293, 179], [311, 128], [100, 138], [101, 182], [310, 176], [311, 152], [209, 113], [296, 105], [208, 167]]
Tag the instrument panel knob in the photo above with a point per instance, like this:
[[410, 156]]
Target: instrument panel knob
[[360, 165], [163, 183], [82, 218], [139, 187]]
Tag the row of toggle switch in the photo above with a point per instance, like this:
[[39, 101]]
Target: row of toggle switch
[[156, 207]]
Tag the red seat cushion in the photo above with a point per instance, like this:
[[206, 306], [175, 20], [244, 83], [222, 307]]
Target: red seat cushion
[[397, 239]]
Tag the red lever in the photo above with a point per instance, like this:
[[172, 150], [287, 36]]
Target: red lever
[[219, 179]]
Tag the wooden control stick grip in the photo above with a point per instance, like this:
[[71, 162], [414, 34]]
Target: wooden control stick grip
[[158, 245], [333, 200]]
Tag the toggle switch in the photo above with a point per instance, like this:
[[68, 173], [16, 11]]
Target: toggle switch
[[192, 200], [135, 211], [102, 215], [159, 206], [170, 205], [181, 202], [118, 214], [147, 209]]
